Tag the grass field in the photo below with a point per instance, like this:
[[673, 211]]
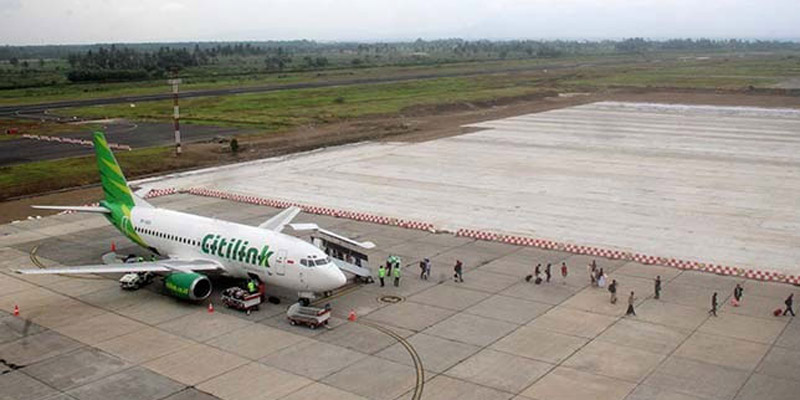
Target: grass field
[[285, 109], [722, 72]]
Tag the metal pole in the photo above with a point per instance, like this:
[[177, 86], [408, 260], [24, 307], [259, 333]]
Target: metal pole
[[176, 115]]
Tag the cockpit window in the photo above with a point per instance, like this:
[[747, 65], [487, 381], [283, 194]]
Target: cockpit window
[[322, 261], [304, 262]]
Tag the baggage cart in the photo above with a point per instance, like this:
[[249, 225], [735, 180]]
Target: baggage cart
[[313, 317], [240, 299]]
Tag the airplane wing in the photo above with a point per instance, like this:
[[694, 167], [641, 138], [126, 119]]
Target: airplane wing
[[277, 222], [352, 268], [314, 227], [116, 268]]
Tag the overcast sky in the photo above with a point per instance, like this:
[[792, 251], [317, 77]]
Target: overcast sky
[[104, 21]]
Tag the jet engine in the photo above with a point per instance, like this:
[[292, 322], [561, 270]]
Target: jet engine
[[188, 285]]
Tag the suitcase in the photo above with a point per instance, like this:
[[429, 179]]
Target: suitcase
[[734, 303], [777, 312], [528, 278], [538, 280]]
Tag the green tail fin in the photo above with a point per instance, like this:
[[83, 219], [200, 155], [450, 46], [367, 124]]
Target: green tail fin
[[113, 181]]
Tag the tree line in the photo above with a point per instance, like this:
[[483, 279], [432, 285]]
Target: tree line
[[124, 62]]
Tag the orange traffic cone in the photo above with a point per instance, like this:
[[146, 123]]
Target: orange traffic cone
[[210, 308], [113, 247], [352, 316], [16, 310]]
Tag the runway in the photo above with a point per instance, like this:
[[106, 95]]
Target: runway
[[698, 183]]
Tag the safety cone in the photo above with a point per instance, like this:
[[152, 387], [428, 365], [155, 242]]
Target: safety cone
[[113, 247], [210, 308], [352, 316], [16, 310]]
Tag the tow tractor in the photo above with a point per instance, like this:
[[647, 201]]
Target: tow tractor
[[135, 281]]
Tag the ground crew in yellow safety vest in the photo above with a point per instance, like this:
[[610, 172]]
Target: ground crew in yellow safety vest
[[251, 286], [381, 273], [396, 272], [140, 259]]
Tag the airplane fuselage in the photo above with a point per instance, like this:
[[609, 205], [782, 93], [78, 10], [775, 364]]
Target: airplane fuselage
[[241, 250]]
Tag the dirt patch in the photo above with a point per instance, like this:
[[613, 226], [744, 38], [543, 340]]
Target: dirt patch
[[415, 124]]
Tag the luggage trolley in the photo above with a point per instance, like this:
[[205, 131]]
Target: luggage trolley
[[313, 317], [240, 299]]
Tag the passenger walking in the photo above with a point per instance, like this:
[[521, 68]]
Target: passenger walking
[[422, 269], [459, 271], [538, 270], [381, 273], [789, 301], [737, 293], [658, 287], [592, 269], [427, 268], [601, 279], [547, 272], [396, 272], [612, 287], [563, 273], [631, 300], [713, 310]]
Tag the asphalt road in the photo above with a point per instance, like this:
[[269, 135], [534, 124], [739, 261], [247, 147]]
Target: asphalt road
[[21, 110]]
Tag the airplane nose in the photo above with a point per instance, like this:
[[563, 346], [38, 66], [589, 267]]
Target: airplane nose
[[334, 278], [340, 278]]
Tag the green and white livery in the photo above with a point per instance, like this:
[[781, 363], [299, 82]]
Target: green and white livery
[[196, 245]]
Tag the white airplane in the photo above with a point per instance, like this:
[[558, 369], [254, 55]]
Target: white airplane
[[196, 245]]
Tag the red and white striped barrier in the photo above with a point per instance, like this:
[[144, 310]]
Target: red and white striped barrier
[[722, 270], [81, 142], [160, 192], [765, 275], [643, 259], [526, 241], [681, 264], [378, 219], [640, 258], [594, 251]]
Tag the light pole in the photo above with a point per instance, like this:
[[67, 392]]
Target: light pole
[[176, 114]]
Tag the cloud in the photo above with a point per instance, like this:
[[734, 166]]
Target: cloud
[[173, 6]]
